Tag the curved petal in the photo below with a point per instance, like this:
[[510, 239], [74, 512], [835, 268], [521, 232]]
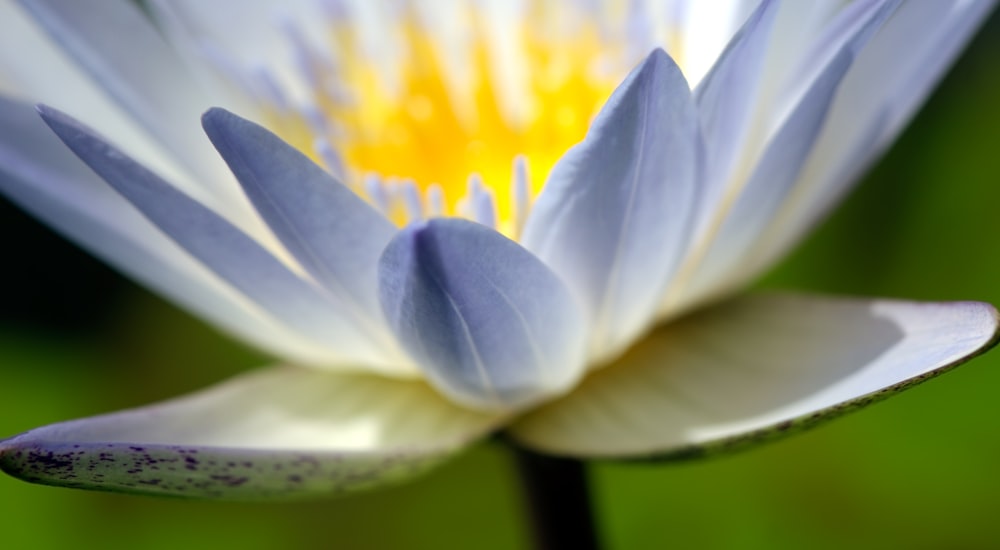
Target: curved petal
[[38, 172], [864, 119], [719, 262], [762, 195], [252, 36], [614, 217], [755, 368], [492, 327], [40, 72], [725, 100], [332, 232], [335, 235], [122, 51], [851, 29], [221, 246], [272, 433]]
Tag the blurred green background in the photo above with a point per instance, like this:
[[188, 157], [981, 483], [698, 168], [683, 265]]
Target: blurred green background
[[921, 470]]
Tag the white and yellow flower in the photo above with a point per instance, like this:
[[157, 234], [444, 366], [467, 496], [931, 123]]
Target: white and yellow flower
[[470, 216]]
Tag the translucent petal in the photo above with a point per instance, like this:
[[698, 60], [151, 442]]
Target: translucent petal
[[726, 101], [864, 118], [222, 247], [122, 51], [39, 173], [251, 37], [719, 262], [41, 72]]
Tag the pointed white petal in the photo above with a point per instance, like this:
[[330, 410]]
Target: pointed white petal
[[40, 72], [332, 232], [491, 325], [614, 217], [763, 193], [222, 247], [726, 101], [796, 28], [720, 262], [892, 76], [755, 368], [122, 51], [38, 172], [272, 433], [850, 30], [252, 35]]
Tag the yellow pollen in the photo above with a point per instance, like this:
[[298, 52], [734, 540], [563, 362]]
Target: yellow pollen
[[419, 126]]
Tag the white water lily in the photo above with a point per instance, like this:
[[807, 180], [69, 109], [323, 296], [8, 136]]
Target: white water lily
[[455, 262]]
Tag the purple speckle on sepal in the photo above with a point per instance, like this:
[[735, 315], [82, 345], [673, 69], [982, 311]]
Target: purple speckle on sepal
[[215, 473]]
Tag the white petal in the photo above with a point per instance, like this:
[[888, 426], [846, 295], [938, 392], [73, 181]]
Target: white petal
[[252, 34], [38, 172], [726, 102], [272, 433], [720, 260], [33, 69], [231, 254], [891, 78], [614, 217], [120, 49], [723, 257], [754, 368]]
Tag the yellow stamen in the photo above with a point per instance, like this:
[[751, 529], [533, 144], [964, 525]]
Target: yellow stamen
[[417, 126]]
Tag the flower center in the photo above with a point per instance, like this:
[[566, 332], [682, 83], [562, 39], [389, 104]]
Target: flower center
[[464, 117]]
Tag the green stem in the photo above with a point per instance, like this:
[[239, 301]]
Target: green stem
[[557, 498]]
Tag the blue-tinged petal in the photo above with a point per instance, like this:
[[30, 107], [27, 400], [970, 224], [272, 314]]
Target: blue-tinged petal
[[220, 246], [944, 27], [719, 261], [255, 34], [272, 433], [865, 118], [615, 215], [850, 30], [491, 325], [753, 369], [121, 51], [726, 99], [763, 194], [332, 232], [41, 72], [125, 54], [41, 175]]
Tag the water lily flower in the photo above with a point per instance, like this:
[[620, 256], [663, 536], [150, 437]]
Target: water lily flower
[[450, 219]]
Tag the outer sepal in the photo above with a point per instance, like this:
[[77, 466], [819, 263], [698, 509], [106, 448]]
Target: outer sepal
[[755, 368], [270, 434]]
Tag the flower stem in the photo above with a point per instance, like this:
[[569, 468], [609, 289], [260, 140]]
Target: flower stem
[[557, 499]]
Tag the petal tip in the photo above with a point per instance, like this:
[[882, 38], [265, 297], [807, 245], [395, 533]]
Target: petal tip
[[51, 115], [214, 116]]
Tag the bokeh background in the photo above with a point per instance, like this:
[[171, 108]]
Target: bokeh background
[[921, 470]]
